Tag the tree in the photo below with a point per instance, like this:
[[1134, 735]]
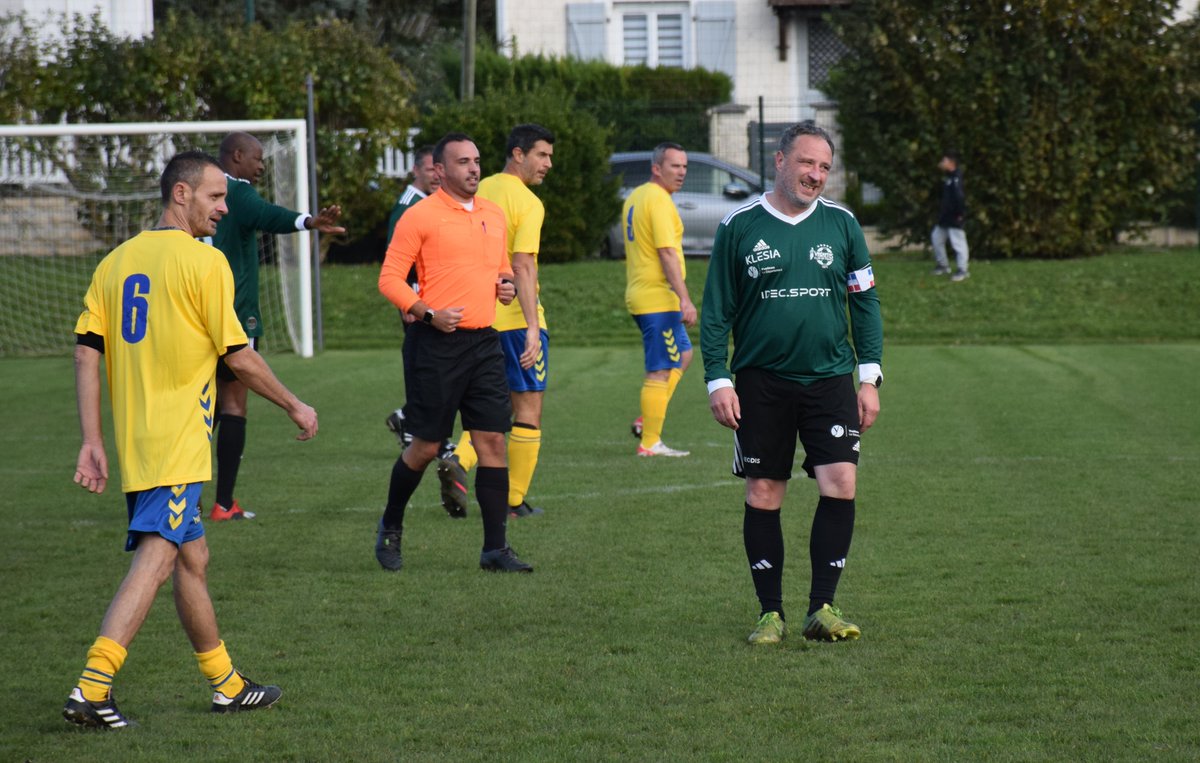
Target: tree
[[193, 70], [581, 201], [1073, 117]]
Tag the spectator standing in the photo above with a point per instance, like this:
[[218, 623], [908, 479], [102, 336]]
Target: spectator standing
[[952, 212]]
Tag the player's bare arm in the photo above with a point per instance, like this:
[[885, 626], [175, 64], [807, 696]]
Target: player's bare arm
[[868, 406], [254, 372], [525, 273], [91, 467], [725, 407], [674, 275]]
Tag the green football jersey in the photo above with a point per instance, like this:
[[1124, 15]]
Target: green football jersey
[[237, 237], [782, 285]]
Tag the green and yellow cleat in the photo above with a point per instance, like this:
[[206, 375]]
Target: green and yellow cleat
[[770, 629], [826, 624]]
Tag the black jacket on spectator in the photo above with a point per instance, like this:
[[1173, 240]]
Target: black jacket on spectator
[[953, 208]]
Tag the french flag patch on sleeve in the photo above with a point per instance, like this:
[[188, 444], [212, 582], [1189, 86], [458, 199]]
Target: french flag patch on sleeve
[[860, 280]]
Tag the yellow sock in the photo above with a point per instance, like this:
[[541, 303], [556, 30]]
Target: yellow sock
[[524, 444], [466, 452], [654, 410], [218, 669], [105, 658], [673, 382]]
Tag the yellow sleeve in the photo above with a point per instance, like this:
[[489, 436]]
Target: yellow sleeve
[[92, 319], [528, 234]]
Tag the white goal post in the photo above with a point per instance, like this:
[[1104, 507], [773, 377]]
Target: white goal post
[[69, 194]]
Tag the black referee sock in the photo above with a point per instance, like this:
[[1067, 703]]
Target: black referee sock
[[832, 529], [400, 490], [763, 536], [491, 490], [231, 442]]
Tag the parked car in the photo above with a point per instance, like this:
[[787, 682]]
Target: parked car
[[711, 190]]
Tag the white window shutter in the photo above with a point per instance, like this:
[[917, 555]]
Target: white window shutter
[[585, 30], [716, 44]]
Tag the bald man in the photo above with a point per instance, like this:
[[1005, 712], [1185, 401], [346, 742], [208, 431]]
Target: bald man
[[241, 158]]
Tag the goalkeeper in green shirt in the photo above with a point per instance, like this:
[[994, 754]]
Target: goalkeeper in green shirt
[[241, 158]]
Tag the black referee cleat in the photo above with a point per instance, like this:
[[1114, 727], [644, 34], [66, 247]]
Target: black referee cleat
[[252, 697], [503, 560], [387, 548], [94, 715]]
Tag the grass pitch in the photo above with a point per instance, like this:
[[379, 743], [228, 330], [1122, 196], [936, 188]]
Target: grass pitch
[[1024, 572], [1024, 566]]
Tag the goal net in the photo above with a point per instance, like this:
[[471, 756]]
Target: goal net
[[69, 194]]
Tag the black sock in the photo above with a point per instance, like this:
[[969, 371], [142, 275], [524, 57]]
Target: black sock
[[491, 490], [832, 529], [400, 490], [763, 537], [231, 441]]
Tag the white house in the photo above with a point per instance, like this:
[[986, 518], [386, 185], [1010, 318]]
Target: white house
[[778, 50], [126, 18]]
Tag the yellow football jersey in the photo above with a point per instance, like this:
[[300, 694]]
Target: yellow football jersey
[[163, 302], [525, 213], [650, 222]]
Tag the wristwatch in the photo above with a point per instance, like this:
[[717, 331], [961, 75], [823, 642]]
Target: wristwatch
[[877, 382], [428, 317]]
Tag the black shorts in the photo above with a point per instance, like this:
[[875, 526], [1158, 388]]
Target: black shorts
[[824, 415], [224, 372], [460, 372]]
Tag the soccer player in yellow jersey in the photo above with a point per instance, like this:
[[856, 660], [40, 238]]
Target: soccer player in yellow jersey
[[160, 311], [522, 324], [656, 292]]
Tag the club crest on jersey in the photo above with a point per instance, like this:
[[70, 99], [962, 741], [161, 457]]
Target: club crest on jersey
[[822, 254]]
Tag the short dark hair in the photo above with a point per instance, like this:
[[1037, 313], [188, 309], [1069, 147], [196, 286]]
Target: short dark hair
[[525, 137], [807, 127], [187, 167], [952, 155], [660, 151], [420, 152], [236, 141], [439, 150]]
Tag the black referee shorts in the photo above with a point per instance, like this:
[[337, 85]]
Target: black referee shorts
[[775, 411], [460, 372]]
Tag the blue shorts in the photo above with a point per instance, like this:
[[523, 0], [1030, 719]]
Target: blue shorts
[[172, 512], [664, 339], [532, 379]]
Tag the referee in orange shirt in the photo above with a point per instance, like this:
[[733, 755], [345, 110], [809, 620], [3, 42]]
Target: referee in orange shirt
[[457, 242]]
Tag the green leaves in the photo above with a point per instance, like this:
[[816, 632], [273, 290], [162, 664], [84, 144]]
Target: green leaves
[[193, 69], [1065, 113]]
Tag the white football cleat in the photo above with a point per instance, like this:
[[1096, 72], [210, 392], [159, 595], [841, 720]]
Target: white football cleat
[[660, 449]]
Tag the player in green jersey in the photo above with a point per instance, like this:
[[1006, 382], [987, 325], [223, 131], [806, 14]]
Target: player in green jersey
[[785, 268], [237, 237]]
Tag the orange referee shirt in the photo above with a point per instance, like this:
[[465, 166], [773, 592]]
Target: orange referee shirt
[[459, 254]]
